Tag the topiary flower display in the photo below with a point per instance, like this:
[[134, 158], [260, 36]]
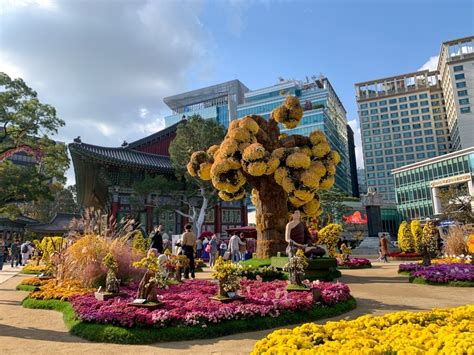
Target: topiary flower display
[[284, 171], [329, 236], [405, 238]]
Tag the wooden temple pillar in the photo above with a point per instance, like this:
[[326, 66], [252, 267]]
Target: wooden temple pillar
[[115, 206], [149, 214]]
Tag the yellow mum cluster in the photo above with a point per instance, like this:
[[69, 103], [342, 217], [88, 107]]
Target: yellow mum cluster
[[60, 290], [304, 170], [289, 114], [441, 331], [200, 165]]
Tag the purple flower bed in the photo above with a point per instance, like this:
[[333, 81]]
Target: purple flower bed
[[188, 304], [409, 267], [444, 273]]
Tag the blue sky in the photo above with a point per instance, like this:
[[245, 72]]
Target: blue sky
[[106, 65]]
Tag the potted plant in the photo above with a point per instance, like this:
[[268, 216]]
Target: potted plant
[[296, 267], [112, 284], [228, 276]]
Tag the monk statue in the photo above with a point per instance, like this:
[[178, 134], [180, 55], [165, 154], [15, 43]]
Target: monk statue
[[298, 237]]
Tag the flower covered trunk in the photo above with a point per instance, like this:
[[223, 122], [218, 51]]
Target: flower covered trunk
[[271, 218]]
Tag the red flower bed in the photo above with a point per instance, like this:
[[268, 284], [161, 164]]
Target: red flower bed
[[404, 256], [353, 263], [188, 304]]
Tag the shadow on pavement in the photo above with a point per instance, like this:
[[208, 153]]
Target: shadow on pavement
[[38, 334]]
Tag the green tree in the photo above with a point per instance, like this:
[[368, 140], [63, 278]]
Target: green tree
[[405, 238], [187, 196], [417, 233], [334, 206], [25, 123], [456, 204]]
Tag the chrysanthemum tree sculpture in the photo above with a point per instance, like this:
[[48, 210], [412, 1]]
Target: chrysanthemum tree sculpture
[[284, 172]]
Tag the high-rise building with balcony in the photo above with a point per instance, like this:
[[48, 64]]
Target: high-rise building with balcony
[[217, 102], [403, 121], [322, 110], [456, 67]]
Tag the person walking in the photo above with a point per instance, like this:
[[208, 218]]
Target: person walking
[[2, 252], [188, 243], [25, 253], [243, 247], [234, 244], [15, 253], [199, 248], [213, 250], [157, 239]]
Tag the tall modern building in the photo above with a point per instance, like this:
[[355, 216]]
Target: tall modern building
[[217, 102], [456, 67], [361, 181], [352, 162], [403, 121], [322, 110]]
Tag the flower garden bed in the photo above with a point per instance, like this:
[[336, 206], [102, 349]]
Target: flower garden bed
[[460, 275], [402, 256], [446, 331], [30, 269], [354, 263], [187, 313], [318, 269]]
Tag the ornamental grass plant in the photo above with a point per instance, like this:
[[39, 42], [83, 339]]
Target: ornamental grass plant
[[455, 242]]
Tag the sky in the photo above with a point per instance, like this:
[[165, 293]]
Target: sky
[[106, 65]]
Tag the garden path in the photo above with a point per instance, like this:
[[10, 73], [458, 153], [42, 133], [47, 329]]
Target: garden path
[[378, 290]]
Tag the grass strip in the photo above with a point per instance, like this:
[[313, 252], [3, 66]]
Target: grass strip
[[354, 268], [256, 262], [30, 272], [422, 281], [106, 333], [28, 288]]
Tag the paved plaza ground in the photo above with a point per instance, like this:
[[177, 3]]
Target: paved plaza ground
[[378, 290]]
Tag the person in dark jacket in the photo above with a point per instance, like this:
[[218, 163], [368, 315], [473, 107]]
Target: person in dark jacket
[[157, 239]]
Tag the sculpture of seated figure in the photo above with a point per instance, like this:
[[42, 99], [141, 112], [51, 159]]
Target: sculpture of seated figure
[[298, 237]]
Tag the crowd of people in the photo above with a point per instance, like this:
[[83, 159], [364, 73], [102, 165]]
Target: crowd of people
[[16, 253]]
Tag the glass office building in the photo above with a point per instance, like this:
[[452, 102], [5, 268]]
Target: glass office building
[[416, 185], [402, 121], [217, 102], [322, 110]]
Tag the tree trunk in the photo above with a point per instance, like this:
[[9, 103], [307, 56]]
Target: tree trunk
[[271, 218], [202, 213]]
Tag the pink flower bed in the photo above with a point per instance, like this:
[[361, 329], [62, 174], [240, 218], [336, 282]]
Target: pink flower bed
[[188, 304], [354, 263]]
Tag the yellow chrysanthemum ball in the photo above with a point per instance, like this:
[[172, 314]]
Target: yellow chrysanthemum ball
[[303, 195], [317, 137], [280, 173], [310, 179], [321, 149], [254, 152], [295, 201], [292, 102], [311, 208], [317, 168], [335, 157], [249, 124], [272, 165], [298, 160], [228, 148], [226, 196], [230, 182], [240, 135], [282, 136], [330, 167], [220, 167], [279, 153], [287, 184], [213, 149], [280, 114], [327, 182], [257, 168], [190, 169], [234, 124], [290, 113], [307, 151], [204, 172]]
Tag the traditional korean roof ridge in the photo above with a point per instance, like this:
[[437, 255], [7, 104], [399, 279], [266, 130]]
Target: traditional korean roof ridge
[[155, 136], [59, 224], [122, 156]]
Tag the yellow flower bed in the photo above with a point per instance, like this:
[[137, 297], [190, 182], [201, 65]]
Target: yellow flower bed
[[450, 260], [33, 281], [34, 268], [441, 331], [60, 290]]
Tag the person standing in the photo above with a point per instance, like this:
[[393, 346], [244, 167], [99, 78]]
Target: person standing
[[384, 248], [157, 239], [223, 248], [15, 253], [25, 252], [213, 250], [199, 248], [243, 247], [234, 244], [188, 243], [2, 252]]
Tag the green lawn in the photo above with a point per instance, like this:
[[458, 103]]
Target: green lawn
[[256, 262]]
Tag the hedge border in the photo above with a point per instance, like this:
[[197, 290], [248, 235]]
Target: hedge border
[[107, 333], [28, 288], [30, 272], [354, 268], [422, 281]]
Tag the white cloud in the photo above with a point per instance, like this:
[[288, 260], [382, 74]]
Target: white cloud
[[431, 64], [105, 66]]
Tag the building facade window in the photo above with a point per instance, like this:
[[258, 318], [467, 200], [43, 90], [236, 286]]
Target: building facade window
[[457, 68], [459, 76], [465, 109], [464, 101]]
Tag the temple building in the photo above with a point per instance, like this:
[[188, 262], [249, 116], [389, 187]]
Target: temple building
[[105, 178]]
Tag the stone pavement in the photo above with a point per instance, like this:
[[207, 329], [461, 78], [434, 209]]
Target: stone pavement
[[378, 290], [8, 272]]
